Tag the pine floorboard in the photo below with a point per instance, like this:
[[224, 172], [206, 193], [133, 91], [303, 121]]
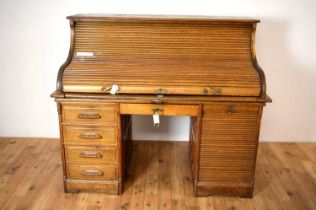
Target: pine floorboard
[[159, 177]]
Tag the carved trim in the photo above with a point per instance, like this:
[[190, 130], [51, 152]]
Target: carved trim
[[255, 62], [69, 58]]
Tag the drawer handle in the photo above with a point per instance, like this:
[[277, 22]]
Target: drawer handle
[[90, 172], [90, 136], [158, 101], [230, 109], [89, 116], [106, 88], [90, 155]]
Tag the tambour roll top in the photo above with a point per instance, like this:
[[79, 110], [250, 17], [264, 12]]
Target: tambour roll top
[[158, 55]]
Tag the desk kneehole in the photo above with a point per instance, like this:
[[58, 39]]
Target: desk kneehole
[[165, 110]]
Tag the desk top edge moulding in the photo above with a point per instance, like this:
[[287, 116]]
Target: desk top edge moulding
[[198, 66]]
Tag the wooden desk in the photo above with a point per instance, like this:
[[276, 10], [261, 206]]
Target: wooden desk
[[200, 67]]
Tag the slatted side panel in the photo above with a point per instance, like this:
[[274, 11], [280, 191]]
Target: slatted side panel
[[163, 54], [229, 142]]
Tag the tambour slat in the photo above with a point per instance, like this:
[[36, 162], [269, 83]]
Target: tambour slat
[[222, 175], [142, 52], [229, 142]]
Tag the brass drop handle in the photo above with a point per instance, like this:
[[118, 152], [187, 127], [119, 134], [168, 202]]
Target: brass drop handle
[[90, 136], [91, 172], [106, 88], [158, 101], [86, 154], [89, 115]]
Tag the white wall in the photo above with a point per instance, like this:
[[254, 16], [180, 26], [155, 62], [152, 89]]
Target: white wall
[[34, 42]]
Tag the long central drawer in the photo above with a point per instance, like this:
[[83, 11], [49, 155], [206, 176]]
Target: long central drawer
[[160, 109]]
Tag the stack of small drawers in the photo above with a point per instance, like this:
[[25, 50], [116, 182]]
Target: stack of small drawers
[[89, 133]]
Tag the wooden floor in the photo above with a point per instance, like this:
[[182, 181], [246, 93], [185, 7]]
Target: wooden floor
[[159, 178]]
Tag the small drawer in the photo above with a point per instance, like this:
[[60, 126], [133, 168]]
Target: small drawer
[[96, 114], [100, 186], [167, 110], [232, 109], [89, 135], [91, 171], [94, 154]]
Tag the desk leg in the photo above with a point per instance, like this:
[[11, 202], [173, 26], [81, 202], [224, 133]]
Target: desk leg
[[126, 144]]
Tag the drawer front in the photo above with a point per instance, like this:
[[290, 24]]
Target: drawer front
[[93, 154], [100, 186], [232, 111], [91, 171], [89, 114], [167, 110], [89, 135]]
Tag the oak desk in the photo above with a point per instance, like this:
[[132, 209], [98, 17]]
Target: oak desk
[[202, 67]]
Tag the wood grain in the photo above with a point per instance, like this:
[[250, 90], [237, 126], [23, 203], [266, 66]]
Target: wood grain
[[285, 179], [93, 114], [190, 56], [228, 149], [202, 67], [89, 135], [130, 18], [166, 110], [91, 171], [223, 150], [95, 154], [91, 151]]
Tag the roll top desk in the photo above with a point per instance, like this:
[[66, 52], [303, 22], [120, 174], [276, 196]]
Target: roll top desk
[[202, 67]]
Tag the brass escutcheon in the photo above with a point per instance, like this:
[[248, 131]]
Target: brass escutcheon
[[160, 90], [230, 109]]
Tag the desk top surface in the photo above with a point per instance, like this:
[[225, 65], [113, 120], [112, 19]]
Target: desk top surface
[[137, 17]]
